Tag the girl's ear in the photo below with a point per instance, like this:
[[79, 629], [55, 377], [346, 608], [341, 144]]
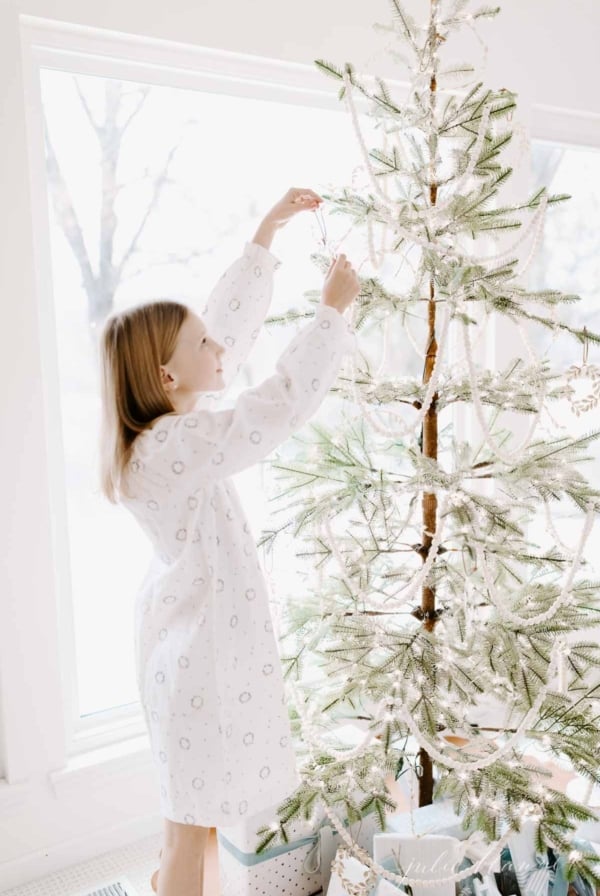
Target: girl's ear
[[166, 378]]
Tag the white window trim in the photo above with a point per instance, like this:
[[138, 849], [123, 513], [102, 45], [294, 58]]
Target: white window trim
[[99, 748], [91, 745]]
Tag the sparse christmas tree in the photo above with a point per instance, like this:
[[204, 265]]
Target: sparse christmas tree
[[429, 594]]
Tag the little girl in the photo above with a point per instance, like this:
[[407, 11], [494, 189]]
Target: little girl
[[208, 668]]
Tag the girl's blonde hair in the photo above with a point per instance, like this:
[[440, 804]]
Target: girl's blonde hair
[[133, 345]]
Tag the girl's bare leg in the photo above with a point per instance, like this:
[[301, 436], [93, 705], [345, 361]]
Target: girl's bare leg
[[182, 862]]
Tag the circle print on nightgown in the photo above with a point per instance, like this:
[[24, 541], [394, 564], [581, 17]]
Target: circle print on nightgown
[[245, 696], [248, 738], [228, 730], [183, 662], [267, 669], [198, 783], [246, 529], [293, 420], [169, 599], [197, 536], [198, 581], [197, 702], [178, 466], [154, 715], [192, 502], [268, 626], [201, 619], [159, 677], [283, 741], [192, 422], [315, 384], [162, 756], [189, 819], [229, 514], [161, 435], [184, 743], [220, 585], [163, 634], [227, 778], [243, 807], [265, 771], [325, 324], [136, 466], [255, 437], [218, 458], [257, 270], [229, 340], [250, 593], [152, 504], [233, 621], [181, 534], [226, 807], [234, 304]]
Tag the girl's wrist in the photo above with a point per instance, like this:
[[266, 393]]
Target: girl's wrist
[[265, 233]]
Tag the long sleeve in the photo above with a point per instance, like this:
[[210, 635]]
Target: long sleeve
[[217, 444], [237, 306]]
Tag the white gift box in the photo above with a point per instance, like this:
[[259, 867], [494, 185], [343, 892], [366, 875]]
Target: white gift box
[[430, 857], [301, 867], [437, 818]]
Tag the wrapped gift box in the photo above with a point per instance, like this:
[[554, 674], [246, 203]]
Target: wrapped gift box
[[349, 872], [301, 867], [437, 818]]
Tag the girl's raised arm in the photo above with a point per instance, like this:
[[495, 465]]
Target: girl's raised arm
[[203, 444], [238, 304]]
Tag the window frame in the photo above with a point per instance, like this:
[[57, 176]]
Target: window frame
[[83, 50]]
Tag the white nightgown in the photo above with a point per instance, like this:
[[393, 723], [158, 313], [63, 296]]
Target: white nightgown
[[208, 667]]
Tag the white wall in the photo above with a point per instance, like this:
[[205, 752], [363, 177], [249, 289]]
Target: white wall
[[545, 49], [535, 47]]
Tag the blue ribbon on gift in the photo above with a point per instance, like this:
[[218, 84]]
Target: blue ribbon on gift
[[253, 858]]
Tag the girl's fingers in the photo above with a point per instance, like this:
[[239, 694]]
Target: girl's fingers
[[306, 195]]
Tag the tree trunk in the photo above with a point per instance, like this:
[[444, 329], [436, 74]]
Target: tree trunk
[[429, 447]]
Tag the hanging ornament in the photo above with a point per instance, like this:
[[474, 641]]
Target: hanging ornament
[[584, 396]]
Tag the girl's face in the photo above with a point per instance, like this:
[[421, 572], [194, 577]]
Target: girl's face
[[195, 365]]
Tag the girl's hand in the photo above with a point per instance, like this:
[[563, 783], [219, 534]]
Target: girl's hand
[[295, 200], [341, 284]]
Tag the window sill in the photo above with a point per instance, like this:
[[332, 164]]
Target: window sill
[[101, 766], [13, 796]]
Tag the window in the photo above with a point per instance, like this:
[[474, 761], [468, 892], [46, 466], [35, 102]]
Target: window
[[569, 260], [152, 192]]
